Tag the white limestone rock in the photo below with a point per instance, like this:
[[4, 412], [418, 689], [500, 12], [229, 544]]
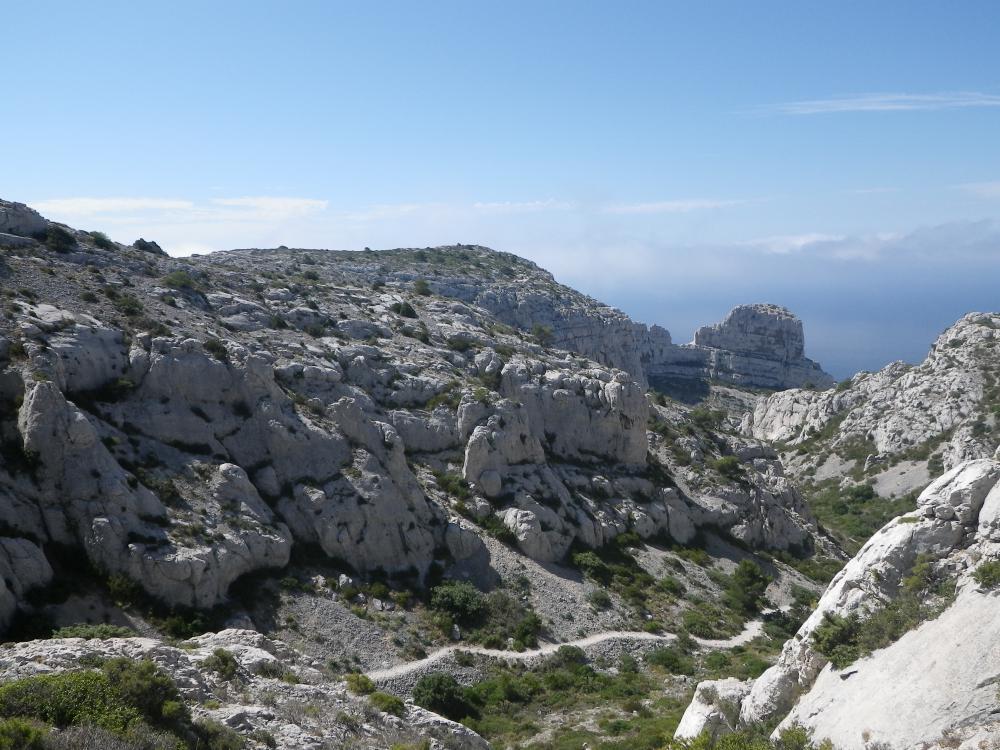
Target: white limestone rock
[[18, 219], [714, 710]]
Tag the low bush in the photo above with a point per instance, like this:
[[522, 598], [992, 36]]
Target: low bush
[[223, 663], [441, 693], [217, 349], [386, 703], [87, 630], [744, 591], [729, 467], [987, 575], [671, 658], [101, 240], [121, 697], [599, 599], [460, 600], [403, 309], [59, 240], [180, 280], [359, 684], [18, 734]]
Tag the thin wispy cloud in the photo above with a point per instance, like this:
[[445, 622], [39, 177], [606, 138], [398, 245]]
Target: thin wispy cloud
[[981, 189], [889, 102], [521, 207], [670, 207]]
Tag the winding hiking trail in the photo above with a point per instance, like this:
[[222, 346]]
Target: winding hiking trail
[[751, 630]]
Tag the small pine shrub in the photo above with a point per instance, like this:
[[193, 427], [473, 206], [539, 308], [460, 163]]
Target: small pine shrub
[[101, 240], [59, 240], [987, 575], [441, 693], [223, 663], [386, 703], [359, 684]]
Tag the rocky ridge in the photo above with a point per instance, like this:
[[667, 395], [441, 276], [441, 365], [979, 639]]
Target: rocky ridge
[[875, 699], [903, 419]]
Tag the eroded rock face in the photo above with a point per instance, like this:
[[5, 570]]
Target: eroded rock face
[[714, 709], [879, 698], [18, 219], [757, 346]]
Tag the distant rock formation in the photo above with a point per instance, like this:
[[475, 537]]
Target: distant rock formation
[[755, 346]]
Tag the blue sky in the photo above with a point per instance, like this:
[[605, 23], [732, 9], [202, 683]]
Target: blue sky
[[672, 159]]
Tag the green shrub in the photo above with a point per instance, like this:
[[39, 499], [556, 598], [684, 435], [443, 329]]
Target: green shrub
[[403, 309], [223, 663], [729, 467], [217, 349], [672, 659], [18, 734], [386, 703], [215, 736], [119, 697], [543, 334], [101, 240], [181, 280], [125, 590], [421, 287], [987, 575], [359, 684], [59, 240], [670, 585], [460, 600], [453, 485], [707, 419], [744, 591], [87, 630], [441, 693]]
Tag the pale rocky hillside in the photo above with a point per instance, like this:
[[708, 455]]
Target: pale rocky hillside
[[250, 440]]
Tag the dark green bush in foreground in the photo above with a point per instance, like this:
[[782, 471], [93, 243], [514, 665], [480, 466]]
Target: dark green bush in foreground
[[124, 697]]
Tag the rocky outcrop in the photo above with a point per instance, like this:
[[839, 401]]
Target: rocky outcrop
[[755, 346], [714, 710], [18, 219], [938, 413], [877, 699]]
